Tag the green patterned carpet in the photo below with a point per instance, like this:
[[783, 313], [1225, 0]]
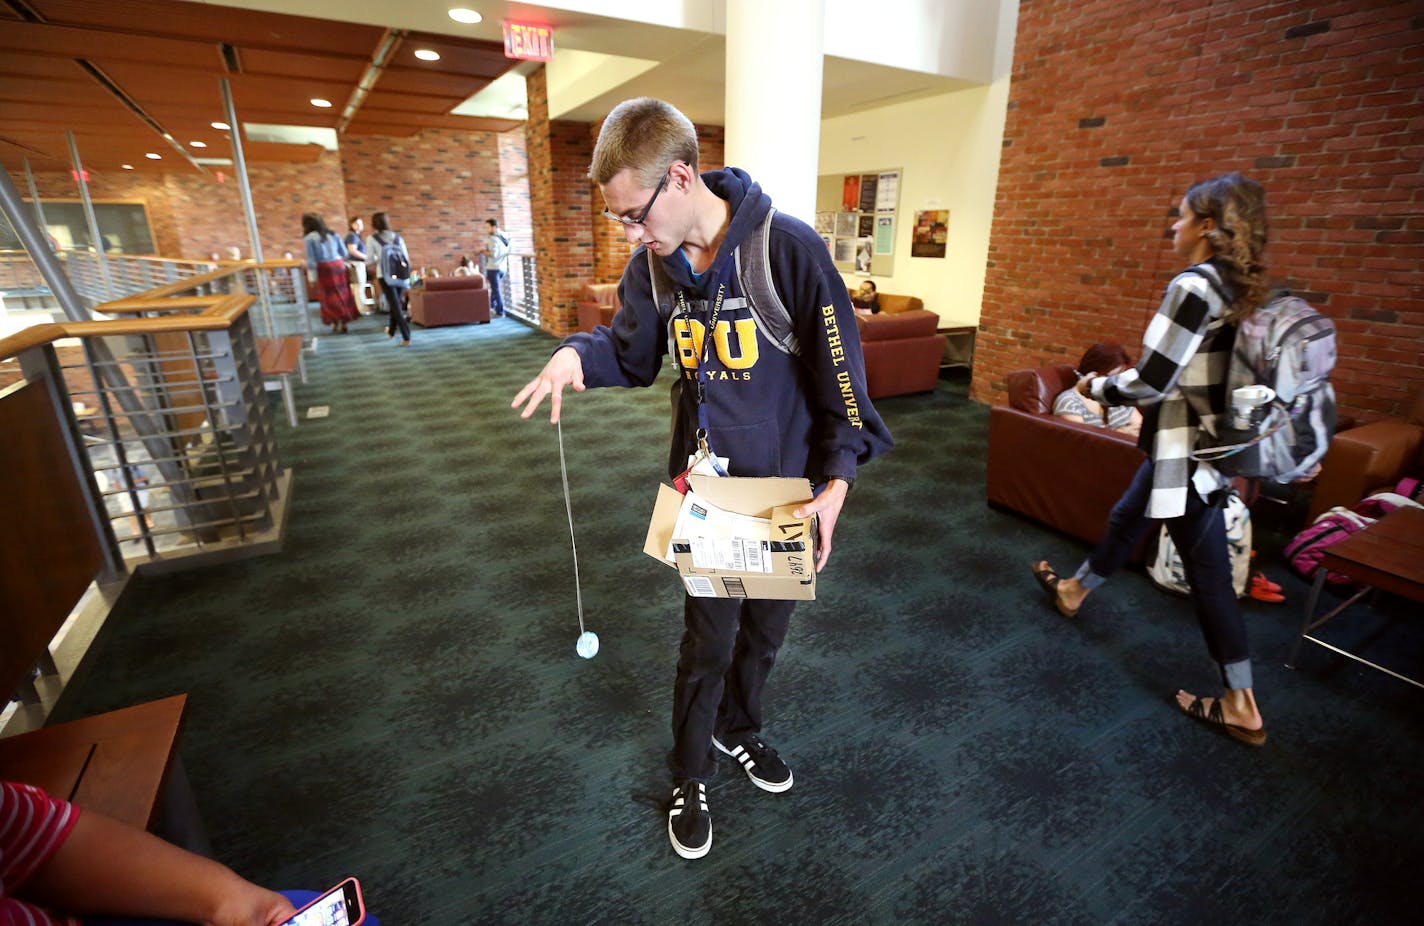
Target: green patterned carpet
[[397, 695]]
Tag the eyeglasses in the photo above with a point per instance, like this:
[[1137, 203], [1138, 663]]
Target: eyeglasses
[[642, 216]]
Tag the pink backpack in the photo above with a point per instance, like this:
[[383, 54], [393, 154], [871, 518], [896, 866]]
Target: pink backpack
[[1305, 550]]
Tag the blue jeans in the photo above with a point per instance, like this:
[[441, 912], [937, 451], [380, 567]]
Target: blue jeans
[[1200, 536], [495, 278]]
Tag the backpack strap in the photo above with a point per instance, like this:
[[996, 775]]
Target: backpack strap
[[753, 266], [1210, 276], [753, 258]]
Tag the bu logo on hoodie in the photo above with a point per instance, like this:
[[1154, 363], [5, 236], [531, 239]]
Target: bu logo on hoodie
[[734, 341]]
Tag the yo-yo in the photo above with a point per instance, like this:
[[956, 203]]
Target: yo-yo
[[587, 645]]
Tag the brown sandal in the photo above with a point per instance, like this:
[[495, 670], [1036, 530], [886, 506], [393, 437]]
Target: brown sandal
[[1048, 581], [1213, 717]]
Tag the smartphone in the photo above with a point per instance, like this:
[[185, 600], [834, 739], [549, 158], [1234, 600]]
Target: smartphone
[[340, 906]]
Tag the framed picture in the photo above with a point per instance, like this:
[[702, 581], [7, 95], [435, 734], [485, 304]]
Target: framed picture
[[931, 233]]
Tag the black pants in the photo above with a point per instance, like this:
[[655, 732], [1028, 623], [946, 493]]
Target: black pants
[[396, 299], [727, 651]]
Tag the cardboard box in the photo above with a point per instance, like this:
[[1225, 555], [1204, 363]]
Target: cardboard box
[[790, 561]]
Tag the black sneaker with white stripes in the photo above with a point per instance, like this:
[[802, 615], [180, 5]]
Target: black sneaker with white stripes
[[690, 820], [761, 763]]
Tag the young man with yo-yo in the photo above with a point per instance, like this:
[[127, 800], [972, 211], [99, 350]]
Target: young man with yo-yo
[[771, 383]]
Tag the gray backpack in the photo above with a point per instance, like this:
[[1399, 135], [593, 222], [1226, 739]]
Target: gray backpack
[[1290, 347], [753, 264]]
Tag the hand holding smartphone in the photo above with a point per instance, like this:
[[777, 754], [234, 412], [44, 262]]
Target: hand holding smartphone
[[340, 906]]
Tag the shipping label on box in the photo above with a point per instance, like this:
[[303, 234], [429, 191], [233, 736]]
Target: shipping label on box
[[736, 537]]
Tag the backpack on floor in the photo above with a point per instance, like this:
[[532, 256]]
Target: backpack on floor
[[1305, 550], [1165, 567], [1290, 347], [394, 264]]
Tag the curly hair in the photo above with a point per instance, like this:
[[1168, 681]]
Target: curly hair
[[1237, 206]]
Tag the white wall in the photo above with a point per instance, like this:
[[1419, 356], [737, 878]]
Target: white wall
[[947, 148]]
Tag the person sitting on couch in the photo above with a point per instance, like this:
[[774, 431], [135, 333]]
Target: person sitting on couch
[[866, 300], [1106, 358]]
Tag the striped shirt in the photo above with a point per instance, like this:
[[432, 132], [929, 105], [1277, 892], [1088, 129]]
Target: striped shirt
[[32, 828], [1069, 402], [1181, 382]]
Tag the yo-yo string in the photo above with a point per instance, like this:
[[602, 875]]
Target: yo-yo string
[[569, 508]]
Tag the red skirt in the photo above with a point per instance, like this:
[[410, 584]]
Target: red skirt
[[334, 292]]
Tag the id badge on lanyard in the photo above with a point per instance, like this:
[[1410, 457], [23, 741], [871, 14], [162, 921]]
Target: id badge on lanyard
[[704, 448]]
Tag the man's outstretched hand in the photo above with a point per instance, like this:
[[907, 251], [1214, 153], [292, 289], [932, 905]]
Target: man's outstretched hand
[[565, 368]]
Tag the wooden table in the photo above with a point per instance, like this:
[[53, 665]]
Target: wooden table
[[958, 346], [123, 764], [1387, 556]]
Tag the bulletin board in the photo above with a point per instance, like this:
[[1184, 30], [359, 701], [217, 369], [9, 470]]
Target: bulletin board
[[858, 215]]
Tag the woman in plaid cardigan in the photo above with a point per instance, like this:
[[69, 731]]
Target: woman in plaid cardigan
[[1180, 383]]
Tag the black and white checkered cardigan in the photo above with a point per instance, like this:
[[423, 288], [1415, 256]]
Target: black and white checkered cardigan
[[1181, 383]]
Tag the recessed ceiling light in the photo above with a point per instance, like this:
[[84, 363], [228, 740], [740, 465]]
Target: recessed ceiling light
[[127, 166], [221, 126], [198, 144], [425, 54], [462, 15], [154, 157], [319, 103]]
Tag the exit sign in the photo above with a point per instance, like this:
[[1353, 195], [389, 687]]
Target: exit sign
[[528, 42]]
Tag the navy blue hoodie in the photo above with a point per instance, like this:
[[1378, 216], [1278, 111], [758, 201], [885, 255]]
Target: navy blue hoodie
[[773, 414]]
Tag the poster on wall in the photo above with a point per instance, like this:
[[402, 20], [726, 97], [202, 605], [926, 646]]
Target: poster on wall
[[847, 224], [887, 191], [867, 192], [863, 249], [845, 250], [825, 223], [866, 227], [884, 234], [850, 193], [931, 233]]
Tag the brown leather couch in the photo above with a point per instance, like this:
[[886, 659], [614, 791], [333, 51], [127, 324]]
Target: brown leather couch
[[1370, 458], [450, 301], [1061, 473], [596, 304], [902, 351]]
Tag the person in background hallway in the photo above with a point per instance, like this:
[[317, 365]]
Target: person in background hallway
[[496, 264], [1181, 383], [395, 289], [59, 858], [1106, 358], [738, 393], [326, 261], [356, 261], [866, 300]]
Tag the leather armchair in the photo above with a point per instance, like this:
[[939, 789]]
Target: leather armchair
[[902, 351], [1370, 458], [596, 304], [450, 301], [1061, 473], [891, 304]]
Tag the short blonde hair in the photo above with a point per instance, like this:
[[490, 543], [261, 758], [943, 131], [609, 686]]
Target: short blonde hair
[[646, 135]]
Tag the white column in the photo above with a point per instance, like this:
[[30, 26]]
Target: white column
[[773, 106]]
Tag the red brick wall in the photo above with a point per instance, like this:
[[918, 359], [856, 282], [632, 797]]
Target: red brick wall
[[438, 187], [193, 215], [559, 189], [1116, 106], [518, 221]]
